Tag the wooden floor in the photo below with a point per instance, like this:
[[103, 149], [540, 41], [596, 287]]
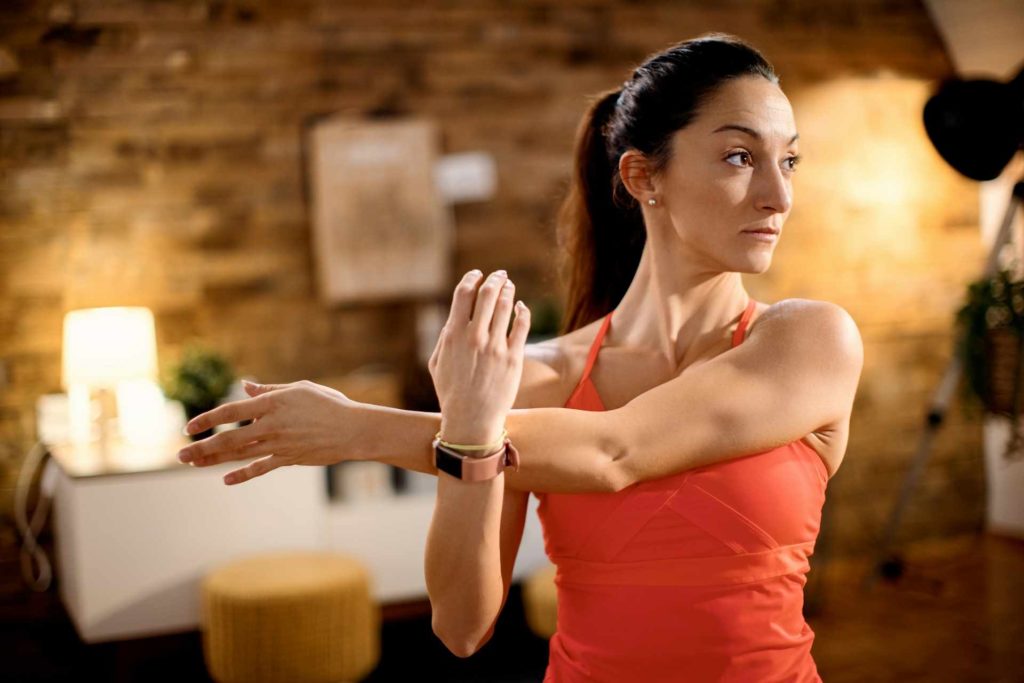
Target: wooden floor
[[956, 615]]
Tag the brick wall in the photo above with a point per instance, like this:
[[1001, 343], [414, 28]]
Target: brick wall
[[151, 155]]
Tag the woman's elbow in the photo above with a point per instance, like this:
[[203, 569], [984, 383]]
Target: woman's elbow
[[459, 644], [615, 474]]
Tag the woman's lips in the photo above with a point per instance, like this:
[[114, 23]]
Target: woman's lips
[[762, 235]]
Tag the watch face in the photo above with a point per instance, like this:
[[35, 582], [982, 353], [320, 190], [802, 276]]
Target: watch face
[[446, 462]]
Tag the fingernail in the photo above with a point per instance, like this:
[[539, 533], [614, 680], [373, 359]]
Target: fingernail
[[184, 430], [501, 272]]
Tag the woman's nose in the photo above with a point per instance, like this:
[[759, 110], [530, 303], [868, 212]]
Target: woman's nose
[[775, 193]]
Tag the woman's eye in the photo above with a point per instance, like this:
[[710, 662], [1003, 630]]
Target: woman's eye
[[745, 155], [746, 159]]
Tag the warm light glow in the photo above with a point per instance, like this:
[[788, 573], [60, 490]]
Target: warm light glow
[[113, 348], [872, 194], [103, 346], [883, 175]]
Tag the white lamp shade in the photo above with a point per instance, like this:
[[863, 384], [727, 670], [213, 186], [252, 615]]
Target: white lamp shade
[[104, 346]]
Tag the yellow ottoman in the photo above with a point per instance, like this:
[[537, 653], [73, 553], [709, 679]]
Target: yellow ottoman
[[540, 601], [289, 617]]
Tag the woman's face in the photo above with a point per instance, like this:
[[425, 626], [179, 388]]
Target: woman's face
[[731, 171]]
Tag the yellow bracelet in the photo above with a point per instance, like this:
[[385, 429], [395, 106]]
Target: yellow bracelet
[[499, 443]]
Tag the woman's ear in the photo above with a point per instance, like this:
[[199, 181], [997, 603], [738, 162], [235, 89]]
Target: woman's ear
[[634, 169]]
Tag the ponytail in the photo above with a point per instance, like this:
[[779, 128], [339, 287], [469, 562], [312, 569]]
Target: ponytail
[[601, 239]]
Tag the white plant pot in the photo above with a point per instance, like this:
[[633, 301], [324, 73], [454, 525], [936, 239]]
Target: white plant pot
[[1005, 479]]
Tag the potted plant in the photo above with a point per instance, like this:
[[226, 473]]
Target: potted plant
[[200, 379]]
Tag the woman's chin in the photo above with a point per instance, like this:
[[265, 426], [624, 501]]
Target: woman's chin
[[755, 264]]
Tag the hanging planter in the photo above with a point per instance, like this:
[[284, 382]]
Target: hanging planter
[[992, 350], [1003, 356]]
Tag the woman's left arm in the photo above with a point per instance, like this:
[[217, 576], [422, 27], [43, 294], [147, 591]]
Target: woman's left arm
[[797, 372]]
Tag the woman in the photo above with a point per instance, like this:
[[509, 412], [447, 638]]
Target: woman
[[680, 519]]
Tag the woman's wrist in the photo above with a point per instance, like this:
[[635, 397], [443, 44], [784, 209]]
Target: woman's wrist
[[467, 433]]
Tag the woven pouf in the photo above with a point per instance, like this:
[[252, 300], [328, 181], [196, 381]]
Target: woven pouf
[[289, 617], [540, 601]]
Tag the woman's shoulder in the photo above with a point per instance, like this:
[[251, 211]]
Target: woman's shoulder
[[812, 317], [808, 337]]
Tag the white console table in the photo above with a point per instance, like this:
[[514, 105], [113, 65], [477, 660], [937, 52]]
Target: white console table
[[136, 532]]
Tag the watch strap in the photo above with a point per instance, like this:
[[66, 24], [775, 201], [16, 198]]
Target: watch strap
[[469, 468]]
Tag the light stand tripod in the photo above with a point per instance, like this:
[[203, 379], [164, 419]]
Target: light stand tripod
[[889, 563]]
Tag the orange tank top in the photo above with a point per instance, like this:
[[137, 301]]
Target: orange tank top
[[695, 577]]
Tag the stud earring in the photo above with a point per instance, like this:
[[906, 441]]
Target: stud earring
[[652, 201]]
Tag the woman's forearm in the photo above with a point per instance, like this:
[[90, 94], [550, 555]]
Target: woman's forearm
[[561, 450], [462, 562], [395, 436]]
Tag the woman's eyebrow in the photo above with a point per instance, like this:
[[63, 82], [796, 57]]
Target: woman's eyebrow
[[749, 131]]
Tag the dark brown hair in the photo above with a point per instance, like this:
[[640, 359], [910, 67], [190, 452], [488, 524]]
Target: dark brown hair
[[600, 227]]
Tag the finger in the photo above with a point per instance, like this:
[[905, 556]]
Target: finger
[[462, 299], [254, 469], [485, 298], [227, 440], [246, 451], [235, 411], [503, 311], [254, 389], [520, 327]]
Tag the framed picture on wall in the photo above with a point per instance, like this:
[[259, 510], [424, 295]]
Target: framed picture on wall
[[381, 229]]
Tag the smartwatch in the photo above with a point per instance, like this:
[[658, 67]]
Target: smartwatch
[[468, 468]]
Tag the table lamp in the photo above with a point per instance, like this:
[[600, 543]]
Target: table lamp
[[109, 362]]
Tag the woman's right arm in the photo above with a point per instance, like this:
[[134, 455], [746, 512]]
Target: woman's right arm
[[468, 571], [468, 574]]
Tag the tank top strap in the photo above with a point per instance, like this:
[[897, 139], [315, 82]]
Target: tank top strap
[[737, 336], [595, 346]]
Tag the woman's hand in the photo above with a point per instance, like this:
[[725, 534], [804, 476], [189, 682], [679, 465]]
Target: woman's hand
[[293, 424], [476, 366]]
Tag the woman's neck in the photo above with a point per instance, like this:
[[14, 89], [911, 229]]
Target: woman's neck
[[675, 309]]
